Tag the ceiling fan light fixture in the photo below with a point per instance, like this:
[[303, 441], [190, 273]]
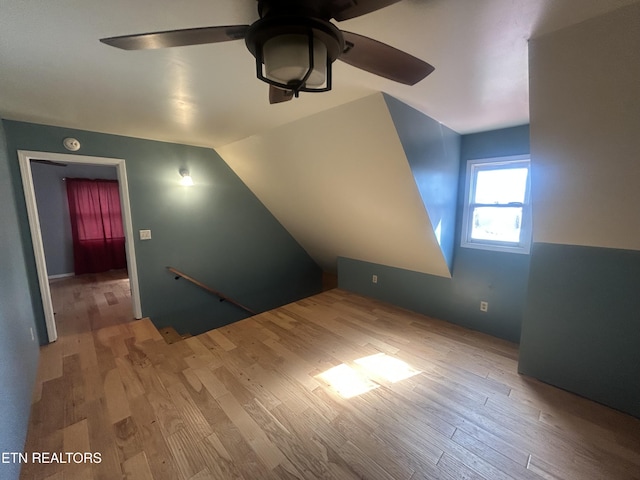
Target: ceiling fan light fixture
[[290, 58], [295, 53]]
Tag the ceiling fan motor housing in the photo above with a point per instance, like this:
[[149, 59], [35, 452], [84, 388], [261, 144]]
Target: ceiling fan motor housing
[[282, 43]]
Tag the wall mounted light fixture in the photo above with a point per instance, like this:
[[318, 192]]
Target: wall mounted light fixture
[[187, 181]]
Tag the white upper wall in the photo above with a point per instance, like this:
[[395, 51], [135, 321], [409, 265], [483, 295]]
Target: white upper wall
[[585, 132], [340, 183]]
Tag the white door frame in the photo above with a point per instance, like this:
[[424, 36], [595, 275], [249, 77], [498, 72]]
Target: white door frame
[[25, 157]]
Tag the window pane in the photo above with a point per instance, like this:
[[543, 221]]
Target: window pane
[[501, 224], [501, 186]]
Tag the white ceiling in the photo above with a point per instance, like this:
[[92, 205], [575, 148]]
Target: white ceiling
[[53, 69]]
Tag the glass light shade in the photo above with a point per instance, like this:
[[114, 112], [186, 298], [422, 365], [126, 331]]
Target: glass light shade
[[286, 59], [186, 180]]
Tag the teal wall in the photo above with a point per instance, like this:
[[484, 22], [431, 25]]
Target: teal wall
[[216, 231], [582, 322], [433, 153], [496, 277], [18, 353]]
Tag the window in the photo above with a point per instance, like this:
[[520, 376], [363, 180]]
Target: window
[[497, 211]]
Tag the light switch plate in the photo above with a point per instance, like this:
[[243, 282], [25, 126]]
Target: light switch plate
[[145, 234]]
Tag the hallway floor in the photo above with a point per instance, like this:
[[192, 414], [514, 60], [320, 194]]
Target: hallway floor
[[91, 302]]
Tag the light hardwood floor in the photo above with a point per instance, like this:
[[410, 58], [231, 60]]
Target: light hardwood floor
[[247, 400]]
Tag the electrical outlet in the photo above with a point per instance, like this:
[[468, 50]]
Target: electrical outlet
[[374, 279], [484, 306], [145, 234]]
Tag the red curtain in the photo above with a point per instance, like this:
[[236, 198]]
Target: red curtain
[[96, 225]]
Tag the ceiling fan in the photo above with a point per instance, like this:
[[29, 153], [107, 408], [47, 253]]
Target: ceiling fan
[[295, 43]]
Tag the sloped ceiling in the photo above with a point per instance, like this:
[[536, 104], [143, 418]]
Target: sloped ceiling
[[340, 183]]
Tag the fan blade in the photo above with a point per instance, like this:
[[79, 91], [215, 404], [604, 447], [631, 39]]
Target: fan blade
[[278, 95], [178, 38], [346, 9], [384, 60]]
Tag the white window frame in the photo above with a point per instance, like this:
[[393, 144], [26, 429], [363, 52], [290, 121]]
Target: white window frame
[[475, 166]]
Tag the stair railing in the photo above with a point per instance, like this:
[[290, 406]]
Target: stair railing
[[221, 296]]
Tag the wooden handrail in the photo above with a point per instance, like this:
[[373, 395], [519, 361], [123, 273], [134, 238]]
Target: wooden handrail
[[221, 296]]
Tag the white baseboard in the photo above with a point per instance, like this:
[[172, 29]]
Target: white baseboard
[[62, 275]]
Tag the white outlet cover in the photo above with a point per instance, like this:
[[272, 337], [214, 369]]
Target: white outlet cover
[[145, 234]]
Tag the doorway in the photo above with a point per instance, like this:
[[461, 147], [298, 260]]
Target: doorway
[[25, 158]]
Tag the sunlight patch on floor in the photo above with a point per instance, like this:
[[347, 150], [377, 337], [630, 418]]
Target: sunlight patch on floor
[[349, 382], [346, 381], [390, 368]]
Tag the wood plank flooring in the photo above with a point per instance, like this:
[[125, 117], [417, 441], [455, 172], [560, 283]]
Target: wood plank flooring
[[256, 400]]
